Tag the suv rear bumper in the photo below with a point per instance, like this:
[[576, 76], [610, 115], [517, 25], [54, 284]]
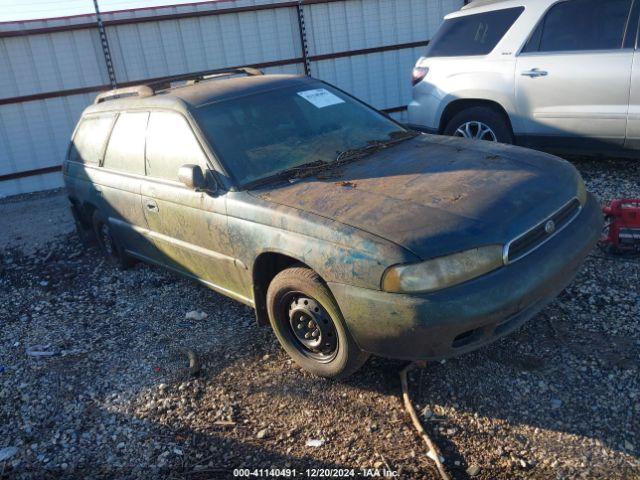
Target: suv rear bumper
[[465, 317]]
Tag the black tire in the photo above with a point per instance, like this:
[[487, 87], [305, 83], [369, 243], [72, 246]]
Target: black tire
[[493, 119], [340, 356], [109, 245], [85, 233]]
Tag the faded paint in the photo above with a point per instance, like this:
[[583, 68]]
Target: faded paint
[[426, 196]]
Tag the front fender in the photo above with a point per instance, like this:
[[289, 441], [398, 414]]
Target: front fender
[[338, 253]]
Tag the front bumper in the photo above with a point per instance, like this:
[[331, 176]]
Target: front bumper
[[462, 318]]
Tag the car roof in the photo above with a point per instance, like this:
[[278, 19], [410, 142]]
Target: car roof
[[190, 96]]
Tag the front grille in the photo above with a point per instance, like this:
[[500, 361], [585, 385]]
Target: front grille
[[529, 241]]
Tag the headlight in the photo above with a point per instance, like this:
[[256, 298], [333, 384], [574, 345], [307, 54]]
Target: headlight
[[418, 74], [582, 191], [442, 272]]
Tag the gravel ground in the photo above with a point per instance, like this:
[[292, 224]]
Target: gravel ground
[[94, 379]]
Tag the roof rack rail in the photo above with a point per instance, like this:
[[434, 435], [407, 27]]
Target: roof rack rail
[[149, 89], [137, 91]]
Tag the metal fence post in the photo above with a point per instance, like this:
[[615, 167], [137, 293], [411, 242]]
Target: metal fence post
[[303, 37], [105, 47]]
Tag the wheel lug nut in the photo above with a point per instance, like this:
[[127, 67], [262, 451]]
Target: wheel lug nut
[[310, 325]]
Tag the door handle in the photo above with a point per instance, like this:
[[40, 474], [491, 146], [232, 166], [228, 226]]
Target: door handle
[[535, 72], [152, 206]]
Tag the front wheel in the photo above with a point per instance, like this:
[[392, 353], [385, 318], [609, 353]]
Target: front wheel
[[480, 123], [307, 321]]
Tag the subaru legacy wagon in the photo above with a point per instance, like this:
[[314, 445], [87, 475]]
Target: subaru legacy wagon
[[348, 233]]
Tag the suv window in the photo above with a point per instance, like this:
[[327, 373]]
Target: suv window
[[125, 151], [88, 143], [472, 34], [581, 25], [171, 144]]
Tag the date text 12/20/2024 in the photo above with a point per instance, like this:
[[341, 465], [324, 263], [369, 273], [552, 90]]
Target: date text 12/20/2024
[[316, 473]]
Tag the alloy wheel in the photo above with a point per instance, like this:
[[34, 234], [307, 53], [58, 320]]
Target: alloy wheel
[[476, 131]]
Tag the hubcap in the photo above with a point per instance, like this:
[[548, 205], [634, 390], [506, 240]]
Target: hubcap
[[107, 241], [477, 131], [312, 328]]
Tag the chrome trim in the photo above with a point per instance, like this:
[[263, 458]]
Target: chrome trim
[[505, 250]]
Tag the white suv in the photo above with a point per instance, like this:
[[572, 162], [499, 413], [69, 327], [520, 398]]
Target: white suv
[[556, 75]]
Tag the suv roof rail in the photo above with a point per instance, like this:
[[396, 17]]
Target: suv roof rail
[[164, 83]]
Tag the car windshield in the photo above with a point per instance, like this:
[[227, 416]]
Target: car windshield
[[261, 135]]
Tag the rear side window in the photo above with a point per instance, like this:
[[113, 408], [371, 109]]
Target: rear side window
[[171, 144], [581, 25], [125, 151], [88, 142], [472, 34]]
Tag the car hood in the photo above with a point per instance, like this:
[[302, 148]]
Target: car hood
[[437, 195]]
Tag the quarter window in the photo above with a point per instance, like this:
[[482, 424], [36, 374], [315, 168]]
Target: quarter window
[[472, 34], [171, 144], [581, 25], [88, 143], [125, 151]]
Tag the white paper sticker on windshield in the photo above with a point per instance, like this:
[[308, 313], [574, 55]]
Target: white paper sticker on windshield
[[320, 97]]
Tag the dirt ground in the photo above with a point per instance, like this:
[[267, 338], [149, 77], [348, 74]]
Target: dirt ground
[[93, 379]]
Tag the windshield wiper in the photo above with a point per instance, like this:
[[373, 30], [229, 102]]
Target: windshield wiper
[[313, 168], [376, 145], [287, 174]]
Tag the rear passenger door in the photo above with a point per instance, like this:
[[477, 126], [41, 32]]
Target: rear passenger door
[[189, 228], [117, 183], [573, 76]]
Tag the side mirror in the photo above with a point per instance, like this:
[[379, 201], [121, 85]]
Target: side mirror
[[192, 177]]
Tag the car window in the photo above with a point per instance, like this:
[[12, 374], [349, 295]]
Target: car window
[[171, 144], [259, 135], [88, 142], [631, 31], [472, 34], [125, 151], [581, 25]]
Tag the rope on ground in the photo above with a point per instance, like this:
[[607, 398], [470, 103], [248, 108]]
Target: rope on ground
[[435, 452]]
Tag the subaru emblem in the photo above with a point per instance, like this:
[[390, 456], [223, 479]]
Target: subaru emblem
[[550, 227]]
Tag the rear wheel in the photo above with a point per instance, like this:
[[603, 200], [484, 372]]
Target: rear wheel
[[84, 231], [307, 321], [108, 243], [480, 123]]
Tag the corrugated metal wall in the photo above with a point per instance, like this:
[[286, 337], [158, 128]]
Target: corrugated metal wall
[[51, 69]]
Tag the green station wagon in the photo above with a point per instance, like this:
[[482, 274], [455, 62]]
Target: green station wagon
[[350, 234]]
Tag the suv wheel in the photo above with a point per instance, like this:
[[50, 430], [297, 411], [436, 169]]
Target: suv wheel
[[307, 321], [480, 123], [108, 243]]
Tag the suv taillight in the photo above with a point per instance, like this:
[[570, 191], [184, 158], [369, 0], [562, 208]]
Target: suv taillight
[[418, 74]]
